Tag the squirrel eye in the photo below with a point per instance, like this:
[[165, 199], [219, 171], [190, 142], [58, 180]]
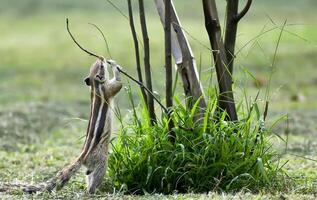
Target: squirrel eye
[[87, 81]]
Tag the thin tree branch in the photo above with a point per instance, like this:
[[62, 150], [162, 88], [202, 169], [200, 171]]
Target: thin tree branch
[[147, 65], [118, 9], [88, 52], [244, 11], [136, 49], [121, 13], [104, 38], [120, 70], [143, 86]]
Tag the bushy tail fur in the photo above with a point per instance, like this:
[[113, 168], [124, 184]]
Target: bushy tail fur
[[61, 178], [64, 175]]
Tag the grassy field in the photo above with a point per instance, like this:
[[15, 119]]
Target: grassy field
[[44, 103]]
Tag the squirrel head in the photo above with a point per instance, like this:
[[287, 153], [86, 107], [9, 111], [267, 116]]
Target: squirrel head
[[98, 73]]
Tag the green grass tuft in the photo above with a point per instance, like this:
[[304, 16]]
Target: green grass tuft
[[208, 156]]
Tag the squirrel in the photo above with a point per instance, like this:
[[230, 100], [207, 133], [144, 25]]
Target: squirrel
[[95, 150]]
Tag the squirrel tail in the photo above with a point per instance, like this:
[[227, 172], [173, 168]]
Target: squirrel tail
[[64, 175], [61, 178]]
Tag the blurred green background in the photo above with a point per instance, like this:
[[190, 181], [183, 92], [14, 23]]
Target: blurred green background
[[39, 62], [44, 103]]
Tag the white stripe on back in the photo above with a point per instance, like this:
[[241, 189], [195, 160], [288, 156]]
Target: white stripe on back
[[98, 119]]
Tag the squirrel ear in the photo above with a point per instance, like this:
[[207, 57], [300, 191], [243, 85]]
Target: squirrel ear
[[87, 81]]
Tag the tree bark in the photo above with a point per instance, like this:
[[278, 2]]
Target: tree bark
[[184, 58], [231, 28], [168, 68], [231, 31], [226, 99], [137, 51], [168, 56], [147, 65]]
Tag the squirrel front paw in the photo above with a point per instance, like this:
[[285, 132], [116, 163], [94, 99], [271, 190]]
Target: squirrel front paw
[[113, 64]]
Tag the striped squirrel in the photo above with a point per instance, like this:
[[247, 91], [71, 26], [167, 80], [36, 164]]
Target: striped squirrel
[[95, 150]]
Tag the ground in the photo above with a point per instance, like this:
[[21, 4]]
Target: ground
[[44, 103]]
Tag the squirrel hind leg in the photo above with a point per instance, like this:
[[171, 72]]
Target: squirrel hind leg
[[95, 173]]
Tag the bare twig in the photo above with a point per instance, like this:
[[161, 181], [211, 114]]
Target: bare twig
[[193, 37], [71, 35], [143, 86], [123, 72], [244, 11], [104, 38], [118, 9], [122, 14]]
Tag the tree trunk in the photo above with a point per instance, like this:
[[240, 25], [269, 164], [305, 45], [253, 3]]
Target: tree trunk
[[231, 31], [136, 49], [184, 58], [226, 99], [231, 28], [168, 68], [168, 56]]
